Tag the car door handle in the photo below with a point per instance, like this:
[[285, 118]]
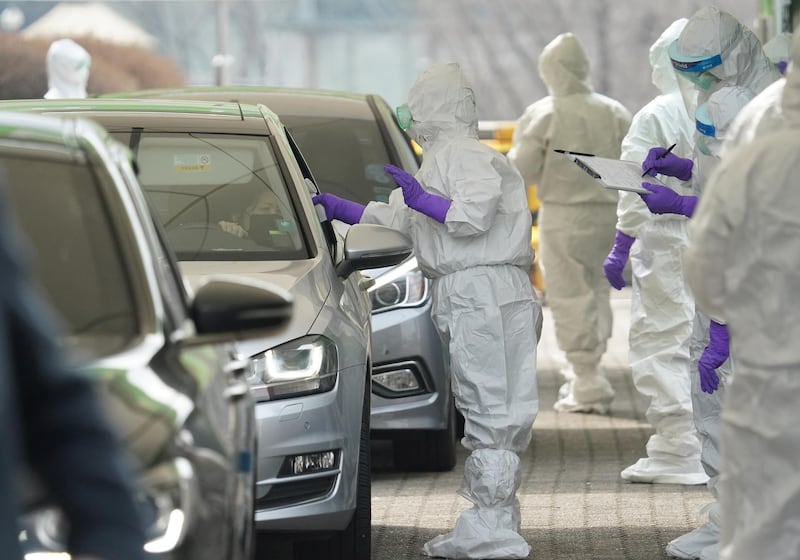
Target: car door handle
[[237, 391]]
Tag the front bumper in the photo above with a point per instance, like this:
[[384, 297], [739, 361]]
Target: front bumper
[[318, 501]]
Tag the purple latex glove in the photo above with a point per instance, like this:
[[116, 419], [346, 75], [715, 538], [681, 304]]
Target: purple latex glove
[[713, 357], [616, 259], [659, 160], [416, 197], [337, 208], [663, 200]]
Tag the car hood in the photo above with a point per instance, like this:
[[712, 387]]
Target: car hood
[[305, 280]]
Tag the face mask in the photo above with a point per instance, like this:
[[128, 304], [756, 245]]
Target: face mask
[[404, 117], [703, 80]]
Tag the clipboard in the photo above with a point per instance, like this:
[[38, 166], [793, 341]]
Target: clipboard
[[614, 174]]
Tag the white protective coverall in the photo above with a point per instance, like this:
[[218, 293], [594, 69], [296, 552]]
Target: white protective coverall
[[483, 304], [662, 308], [741, 71], [68, 66], [577, 217], [742, 266], [703, 542]]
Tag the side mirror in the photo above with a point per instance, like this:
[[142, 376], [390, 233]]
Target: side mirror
[[372, 246], [227, 304]]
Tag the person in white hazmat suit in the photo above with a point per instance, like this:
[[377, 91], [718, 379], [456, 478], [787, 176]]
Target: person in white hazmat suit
[[466, 212], [662, 308], [742, 266], [577, 217], [68, 66], [708, 346]]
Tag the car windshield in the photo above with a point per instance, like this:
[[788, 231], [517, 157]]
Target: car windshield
[[74, 251], [220, 197], [346, 156]]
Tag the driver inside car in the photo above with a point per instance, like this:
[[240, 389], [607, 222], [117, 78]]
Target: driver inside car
[[258, 221]]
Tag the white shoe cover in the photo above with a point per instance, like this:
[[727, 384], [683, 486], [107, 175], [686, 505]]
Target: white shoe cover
[[585, 394], [691, 545], [682, 470], [480, 533], [489, 529]]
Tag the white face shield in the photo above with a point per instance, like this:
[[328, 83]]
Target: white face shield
[[695, 75]]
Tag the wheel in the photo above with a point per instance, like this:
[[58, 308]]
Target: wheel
[[355, 541], [428, 450]]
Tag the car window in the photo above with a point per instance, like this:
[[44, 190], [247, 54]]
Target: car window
[[346, 156], [74, 251], [220, 197]]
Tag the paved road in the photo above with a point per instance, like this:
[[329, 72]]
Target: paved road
[[574, 505]]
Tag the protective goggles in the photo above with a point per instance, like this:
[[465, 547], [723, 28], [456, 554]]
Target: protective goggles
[[404, 116], [694, 68]]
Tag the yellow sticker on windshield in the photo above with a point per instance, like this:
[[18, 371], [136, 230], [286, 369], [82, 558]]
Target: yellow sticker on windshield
[[192, 162]]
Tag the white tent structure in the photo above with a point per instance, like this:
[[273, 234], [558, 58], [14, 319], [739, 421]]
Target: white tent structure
[[90, 19]]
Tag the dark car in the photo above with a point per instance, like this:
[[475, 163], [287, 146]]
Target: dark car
[[162, 357]]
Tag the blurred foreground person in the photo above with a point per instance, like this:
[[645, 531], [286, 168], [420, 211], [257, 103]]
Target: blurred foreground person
[[467, 214], [52, 424], [68, 66], [578, 216], [662, 308], [742, 266]]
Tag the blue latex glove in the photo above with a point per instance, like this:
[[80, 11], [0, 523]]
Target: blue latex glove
[[616, 259], [416, 197], [659, 160], [663, 200], [713, 357], [337, 208]]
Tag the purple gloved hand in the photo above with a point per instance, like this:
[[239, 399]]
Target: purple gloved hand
[[659, 160], [616, 259], [416, 197], [663, 200], [713, 357], [337, 208]]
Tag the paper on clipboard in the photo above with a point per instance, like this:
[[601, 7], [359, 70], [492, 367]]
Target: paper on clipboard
[[614, 173]]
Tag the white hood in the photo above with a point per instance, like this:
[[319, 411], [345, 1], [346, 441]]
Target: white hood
[[442, 106], [791, 91], [68, 66], [663, 75], [564, 67]]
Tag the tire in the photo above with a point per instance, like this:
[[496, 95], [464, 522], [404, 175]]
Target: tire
[[428, 450], [355, 541]]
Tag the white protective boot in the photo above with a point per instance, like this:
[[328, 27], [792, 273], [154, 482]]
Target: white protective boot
[[670, 460], [590, 391], [490, 528], [700, 541]]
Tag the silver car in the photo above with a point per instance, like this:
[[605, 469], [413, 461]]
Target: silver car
[[347, 138], [163, 360], [234, 198]]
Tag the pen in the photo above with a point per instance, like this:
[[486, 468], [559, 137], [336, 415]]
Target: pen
[[659, 157], [573, 153]]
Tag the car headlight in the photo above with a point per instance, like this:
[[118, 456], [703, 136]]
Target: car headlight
[[302, 367], [167, 498], [403, 286]]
